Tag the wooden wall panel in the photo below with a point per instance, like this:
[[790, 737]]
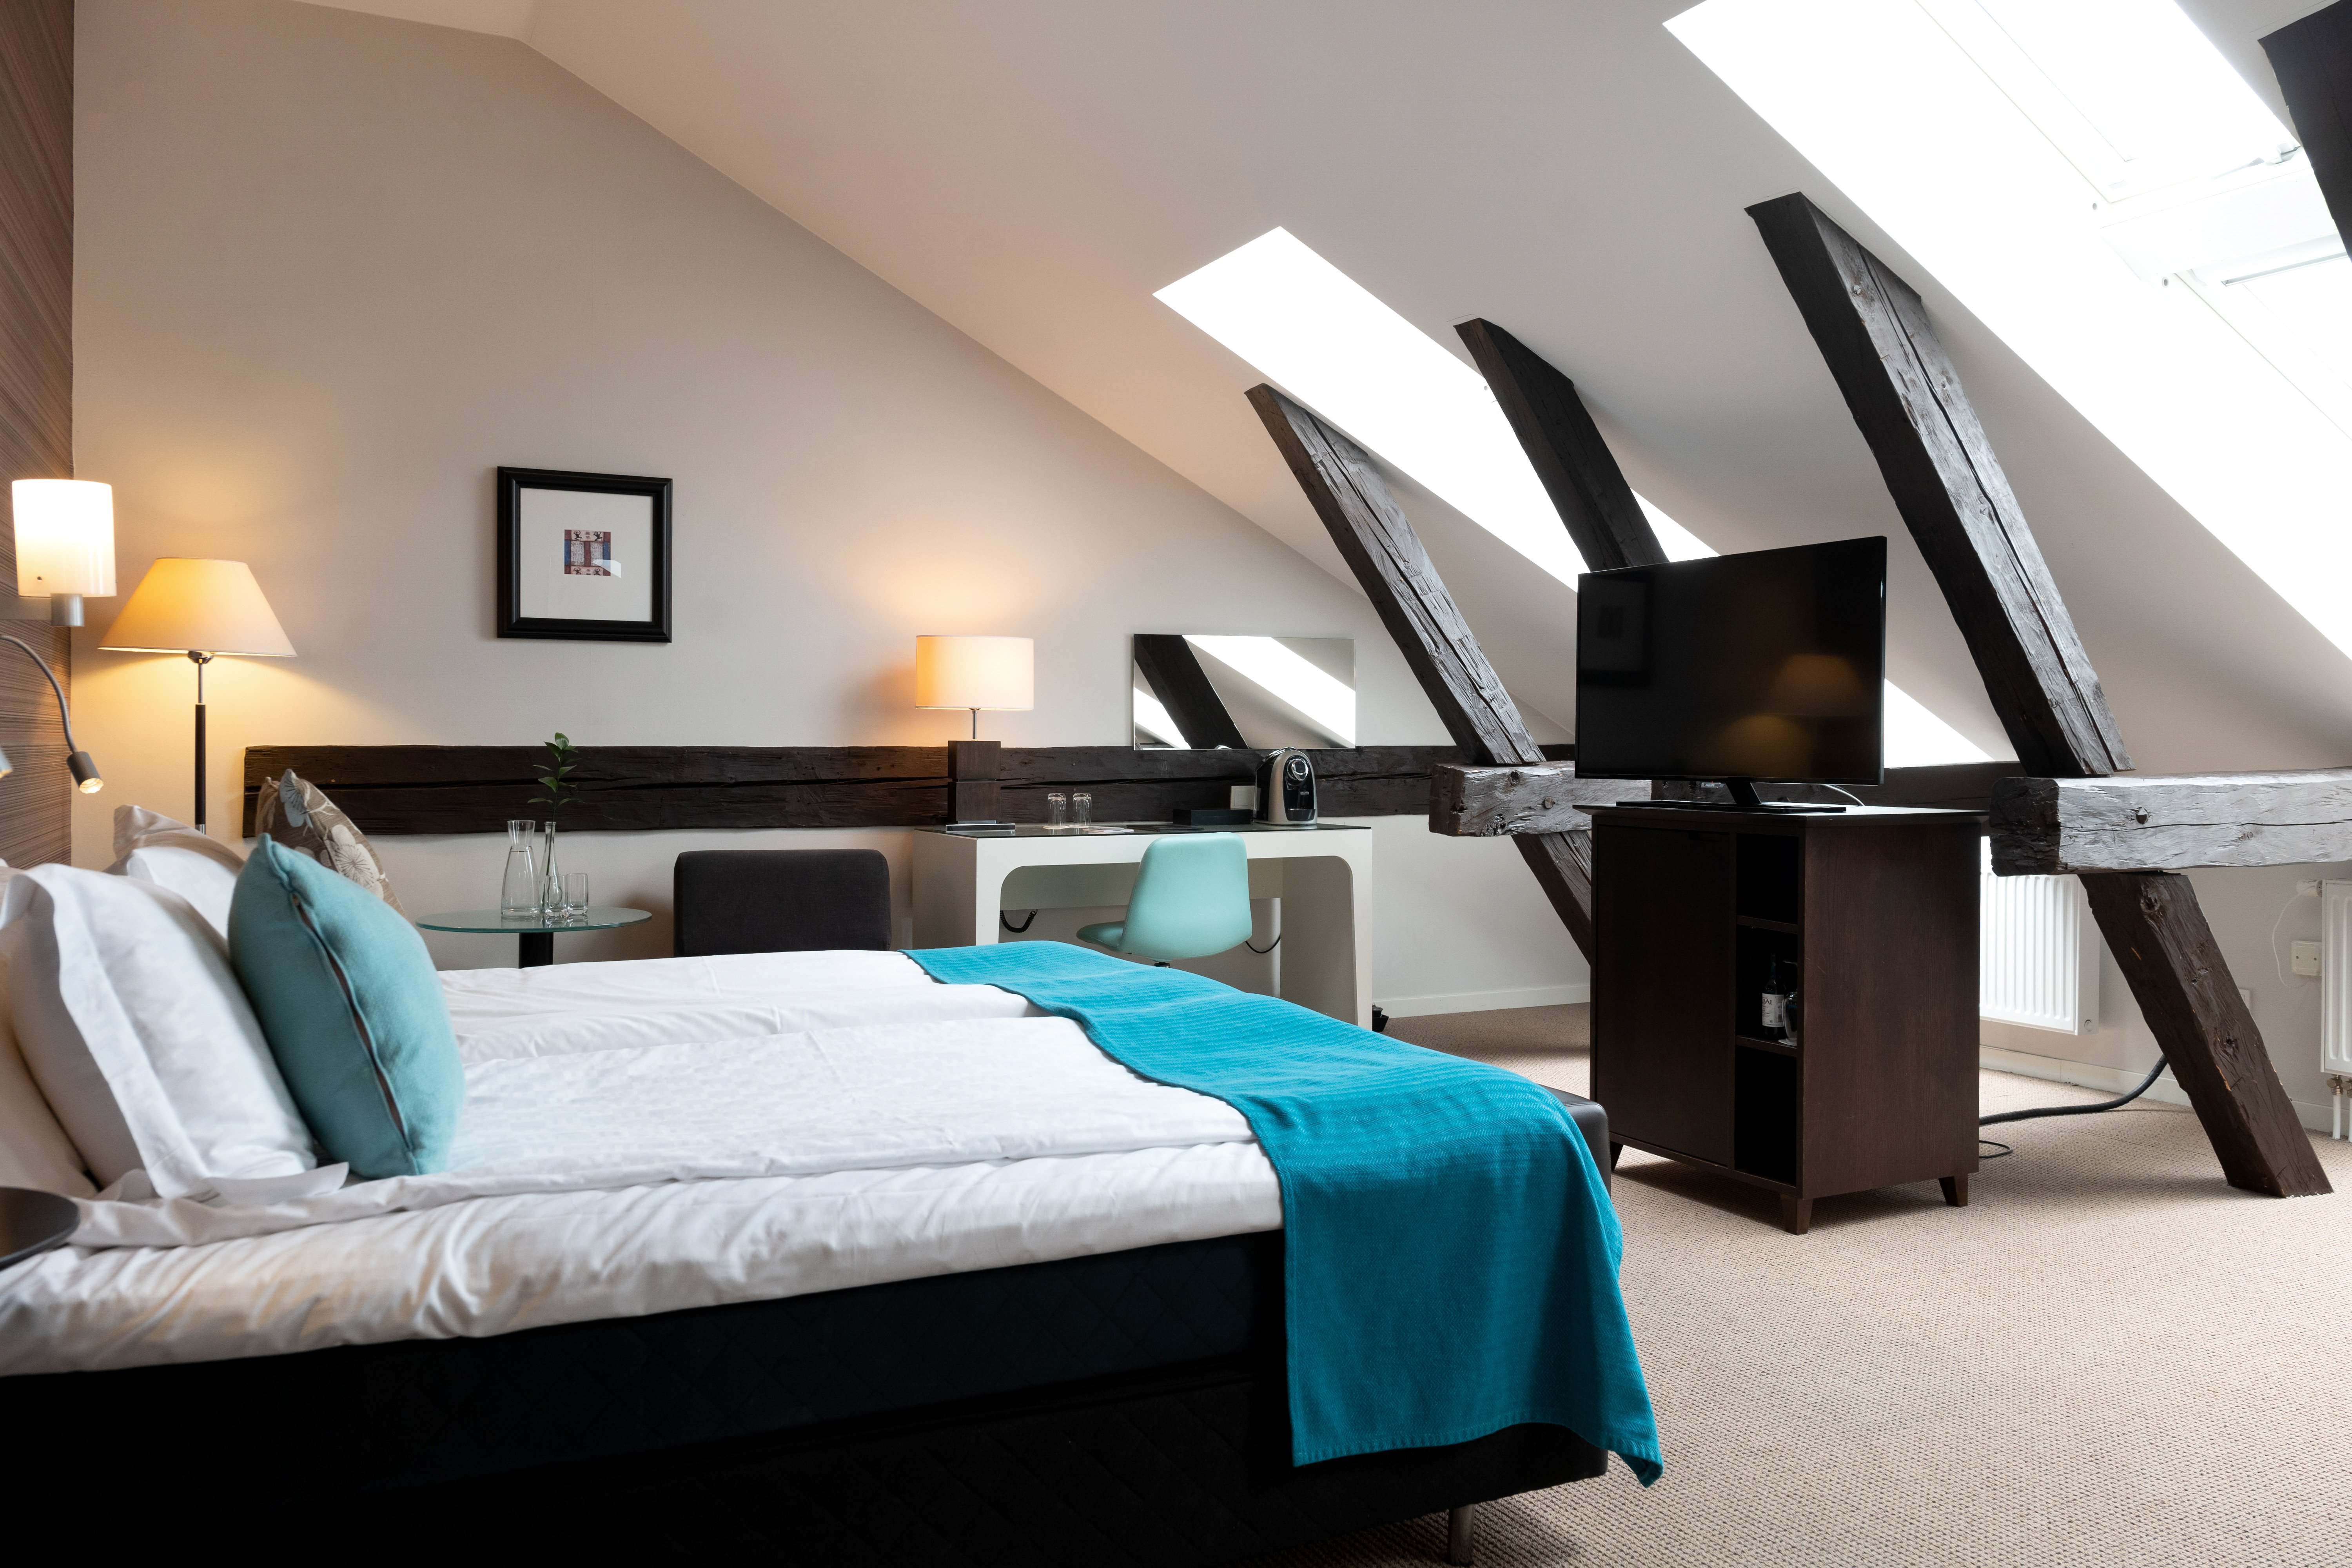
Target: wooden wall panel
[[36, 391]]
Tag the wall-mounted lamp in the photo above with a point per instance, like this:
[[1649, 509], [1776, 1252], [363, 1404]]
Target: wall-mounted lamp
[[200, 609], [77, 762], [65, 543]]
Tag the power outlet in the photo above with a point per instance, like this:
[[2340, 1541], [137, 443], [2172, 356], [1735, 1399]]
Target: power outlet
[[2304, 956], [2306, 889]]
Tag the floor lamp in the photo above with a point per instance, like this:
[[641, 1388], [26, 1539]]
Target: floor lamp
[[204, 609]]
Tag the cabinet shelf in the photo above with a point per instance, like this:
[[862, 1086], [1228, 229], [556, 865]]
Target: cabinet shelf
[[1781, 1047], [1759, 923]]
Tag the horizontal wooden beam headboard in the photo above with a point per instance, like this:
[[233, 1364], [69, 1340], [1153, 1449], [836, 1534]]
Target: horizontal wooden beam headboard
[[476, 789], [638, 789]]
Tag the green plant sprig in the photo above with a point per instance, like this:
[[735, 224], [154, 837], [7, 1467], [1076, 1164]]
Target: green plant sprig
[[554, 776]]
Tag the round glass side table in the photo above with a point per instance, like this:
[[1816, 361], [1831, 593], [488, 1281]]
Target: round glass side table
[[536, 943]]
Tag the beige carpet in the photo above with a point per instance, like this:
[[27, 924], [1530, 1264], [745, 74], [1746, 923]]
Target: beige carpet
[[2108, 1358]]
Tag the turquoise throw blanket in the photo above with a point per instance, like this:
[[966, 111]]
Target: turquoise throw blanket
[[1450, 1252]]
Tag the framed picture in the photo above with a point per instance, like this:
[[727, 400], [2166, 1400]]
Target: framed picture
[[583, 557]]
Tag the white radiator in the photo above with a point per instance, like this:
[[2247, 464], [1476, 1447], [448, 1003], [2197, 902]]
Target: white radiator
[[2038, 952], [2336, 1001], [2336, 978]]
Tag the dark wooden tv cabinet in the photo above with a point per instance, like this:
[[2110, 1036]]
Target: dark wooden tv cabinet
[[1877, 907]]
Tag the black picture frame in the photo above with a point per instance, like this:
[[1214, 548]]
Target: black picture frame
[[513, 623]]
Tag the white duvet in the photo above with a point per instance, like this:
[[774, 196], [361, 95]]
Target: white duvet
[[643, 1137]]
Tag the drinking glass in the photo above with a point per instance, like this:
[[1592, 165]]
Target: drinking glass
[[576, 895], [1082, 810], [1057, 811], [519, 894]]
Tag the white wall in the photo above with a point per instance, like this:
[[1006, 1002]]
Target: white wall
[[332, 270]]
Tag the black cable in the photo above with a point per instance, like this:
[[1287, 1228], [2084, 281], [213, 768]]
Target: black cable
[[2144, 1085], [1269, 947], [1984, 1143], [1016, 929]]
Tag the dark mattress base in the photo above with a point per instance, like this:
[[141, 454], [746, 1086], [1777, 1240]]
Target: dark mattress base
[[1173, 1469]]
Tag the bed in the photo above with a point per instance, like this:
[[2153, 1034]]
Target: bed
[[807, 1258]]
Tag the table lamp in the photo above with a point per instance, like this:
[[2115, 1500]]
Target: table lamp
[[65, 543], [995, 673], [201, 608]]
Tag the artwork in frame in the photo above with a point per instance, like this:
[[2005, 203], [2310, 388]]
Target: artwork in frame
[[583, 557]]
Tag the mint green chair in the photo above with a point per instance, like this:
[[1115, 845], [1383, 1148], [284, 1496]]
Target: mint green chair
[[1191, 899]]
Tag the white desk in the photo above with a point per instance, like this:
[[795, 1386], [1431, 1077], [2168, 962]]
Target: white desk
[[1322, 874]]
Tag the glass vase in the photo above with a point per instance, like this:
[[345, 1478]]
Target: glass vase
[[551, 877], [519, 893]]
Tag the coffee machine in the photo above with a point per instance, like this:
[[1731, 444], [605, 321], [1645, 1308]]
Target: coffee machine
[[1285, 788]]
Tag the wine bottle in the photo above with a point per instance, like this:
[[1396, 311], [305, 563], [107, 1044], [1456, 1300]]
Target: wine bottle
[[1775, 1020]]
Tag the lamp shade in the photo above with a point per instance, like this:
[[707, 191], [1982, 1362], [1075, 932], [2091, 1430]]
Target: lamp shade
[[975, 672], [184, 605], [64, 537]]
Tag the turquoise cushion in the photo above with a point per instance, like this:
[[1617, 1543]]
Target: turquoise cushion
[[353, 1011]]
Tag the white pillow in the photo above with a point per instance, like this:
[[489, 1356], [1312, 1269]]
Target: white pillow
[[154, 849], [34, 1149], [136, 1030]]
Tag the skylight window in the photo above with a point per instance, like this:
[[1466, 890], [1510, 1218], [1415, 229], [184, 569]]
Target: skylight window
[[2129, 91], [2106, 291], [2295, 305], [1302, 322]]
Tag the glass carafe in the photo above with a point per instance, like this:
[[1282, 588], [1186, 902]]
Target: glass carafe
[[551, 877], [519, 893]]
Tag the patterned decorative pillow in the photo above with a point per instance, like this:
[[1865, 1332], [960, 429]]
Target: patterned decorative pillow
[[298, 815]]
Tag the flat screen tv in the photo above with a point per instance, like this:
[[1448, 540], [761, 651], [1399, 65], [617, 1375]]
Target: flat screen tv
[[1745, 669]]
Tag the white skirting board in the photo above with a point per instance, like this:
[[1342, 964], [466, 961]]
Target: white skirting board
[[2114, 1081], [1486, 1001]]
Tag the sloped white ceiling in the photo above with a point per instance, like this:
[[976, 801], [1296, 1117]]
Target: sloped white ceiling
[[1031, 170]]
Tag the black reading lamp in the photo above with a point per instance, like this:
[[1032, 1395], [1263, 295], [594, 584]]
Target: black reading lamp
[[77, 762]]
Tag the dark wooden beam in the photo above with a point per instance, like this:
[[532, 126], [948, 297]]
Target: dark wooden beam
[[2043, 827], [1902, 390], [2313, 61], [2160, 940], [1182, 687], [1947, 786], [1380, 547], [1587, 488], [1470, 802], [639, 789], [1900, 385], [36, 219]]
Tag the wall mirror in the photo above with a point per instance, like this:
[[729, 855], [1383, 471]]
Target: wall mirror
[[1202, 692]]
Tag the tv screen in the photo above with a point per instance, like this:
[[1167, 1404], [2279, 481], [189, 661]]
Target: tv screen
[[1767, 666]]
